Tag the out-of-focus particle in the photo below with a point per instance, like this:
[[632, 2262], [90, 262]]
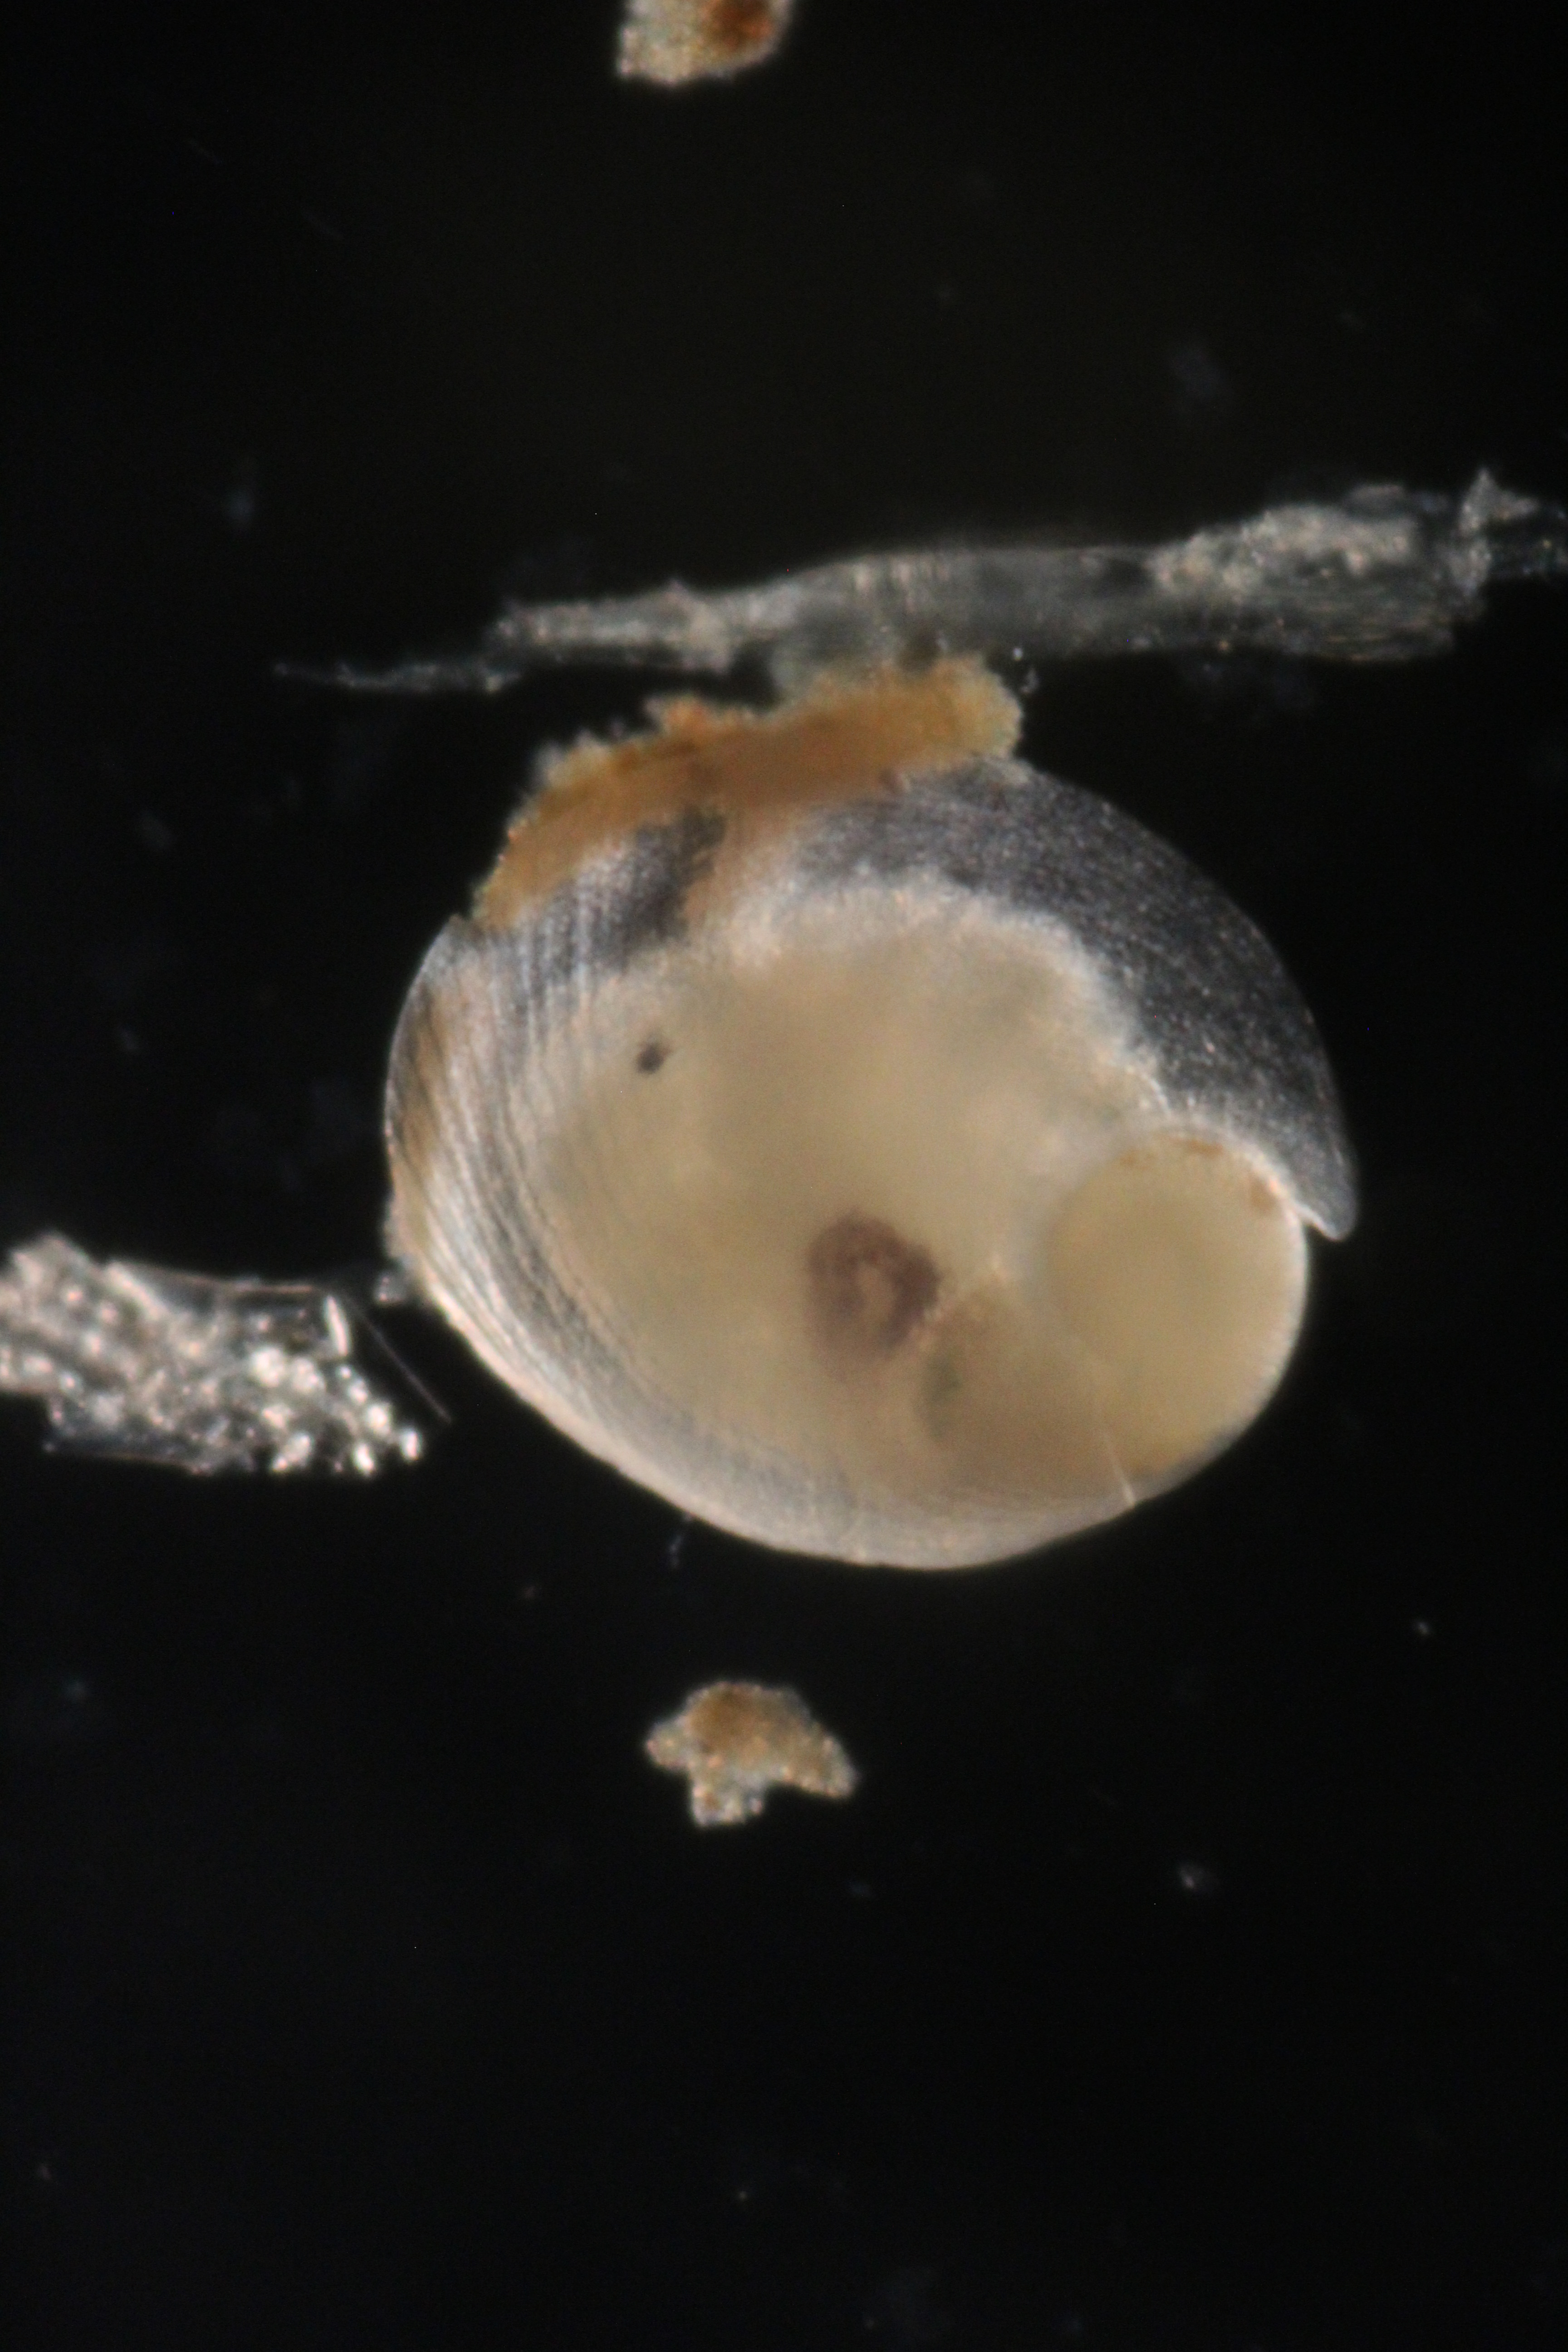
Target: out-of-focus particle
[[736, 1741], [673, 41], [1197, 1878]]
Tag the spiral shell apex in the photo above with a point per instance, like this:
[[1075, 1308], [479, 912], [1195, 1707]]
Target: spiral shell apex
[[872, 1144]]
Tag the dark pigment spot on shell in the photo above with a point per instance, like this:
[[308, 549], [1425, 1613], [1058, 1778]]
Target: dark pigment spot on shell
[[869, 1288]]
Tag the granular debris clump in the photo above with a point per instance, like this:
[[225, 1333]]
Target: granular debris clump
[[736, 1741]]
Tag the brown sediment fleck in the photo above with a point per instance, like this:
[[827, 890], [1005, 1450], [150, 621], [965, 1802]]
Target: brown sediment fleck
[[673, 41], [869, 1288], [652, 1056], [844, 735], [734, 1742]]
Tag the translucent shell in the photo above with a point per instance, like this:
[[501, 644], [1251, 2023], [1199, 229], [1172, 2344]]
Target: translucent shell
[[904, 1163]]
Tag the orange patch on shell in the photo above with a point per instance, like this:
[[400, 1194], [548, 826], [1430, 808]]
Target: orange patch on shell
[[844, 735]]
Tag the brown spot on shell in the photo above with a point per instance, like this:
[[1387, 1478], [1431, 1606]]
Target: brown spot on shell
[[870, 1288]]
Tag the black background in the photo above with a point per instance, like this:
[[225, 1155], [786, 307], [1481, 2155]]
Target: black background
[[1181, 1974]]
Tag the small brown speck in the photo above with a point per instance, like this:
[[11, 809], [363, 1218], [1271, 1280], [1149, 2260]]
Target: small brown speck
[[869, 1288], [652, 1056]]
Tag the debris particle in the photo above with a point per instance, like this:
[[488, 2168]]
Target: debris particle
[[735, 1741], [1197, 1878], [673, 41], [1382, 575], [191, 1371]]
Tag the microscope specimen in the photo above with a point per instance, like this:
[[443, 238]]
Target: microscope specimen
[[873, 1145]]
